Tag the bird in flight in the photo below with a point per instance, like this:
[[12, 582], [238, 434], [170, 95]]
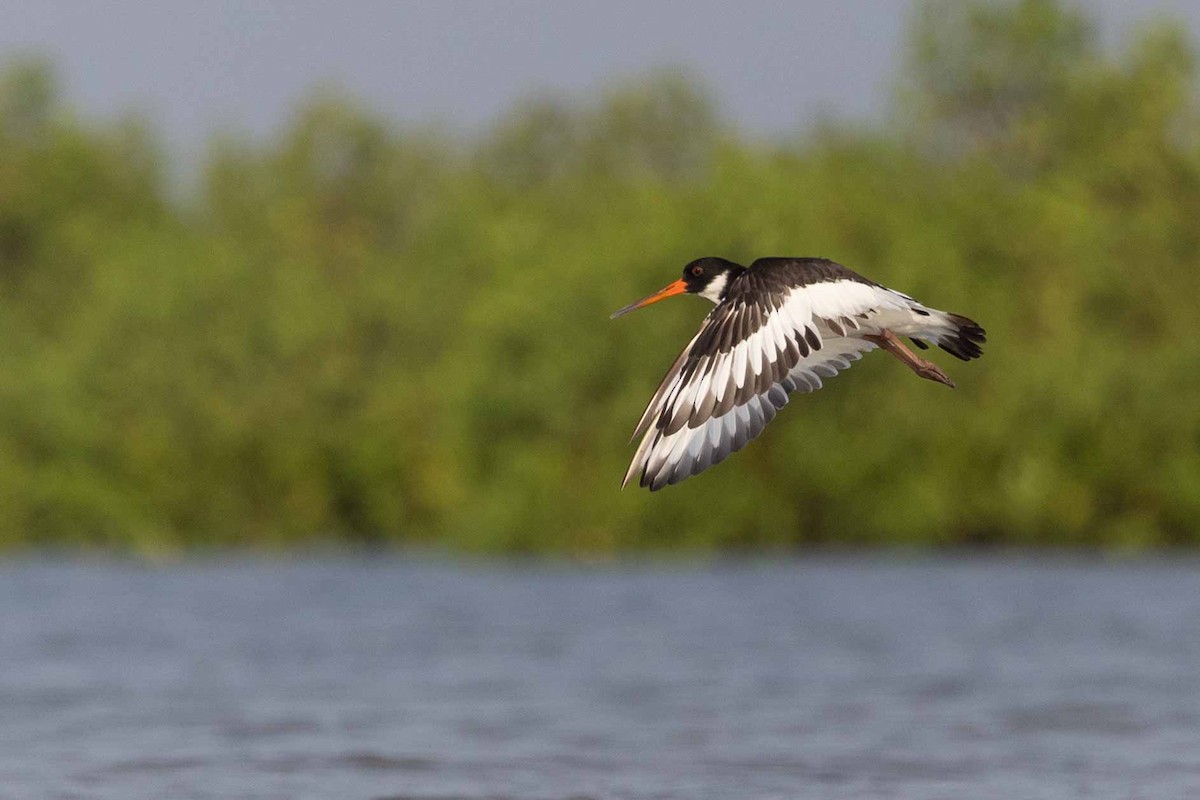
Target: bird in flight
[[779, 326]]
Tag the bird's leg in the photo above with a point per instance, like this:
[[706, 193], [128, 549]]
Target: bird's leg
[[926, 369]]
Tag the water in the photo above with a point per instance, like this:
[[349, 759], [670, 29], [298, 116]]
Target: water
[[811, 679]]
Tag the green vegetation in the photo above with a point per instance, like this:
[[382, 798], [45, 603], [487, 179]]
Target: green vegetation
[[383, 336]]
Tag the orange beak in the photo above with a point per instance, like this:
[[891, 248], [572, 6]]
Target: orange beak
[[678, 287]]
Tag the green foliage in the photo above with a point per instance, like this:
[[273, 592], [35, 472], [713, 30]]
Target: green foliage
[[387, 337]]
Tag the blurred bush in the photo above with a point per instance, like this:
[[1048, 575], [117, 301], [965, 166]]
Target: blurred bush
[[379, 336]]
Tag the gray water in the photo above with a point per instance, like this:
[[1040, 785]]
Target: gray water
[[823, 679]]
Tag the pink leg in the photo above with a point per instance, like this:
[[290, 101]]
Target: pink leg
[[926, 369]]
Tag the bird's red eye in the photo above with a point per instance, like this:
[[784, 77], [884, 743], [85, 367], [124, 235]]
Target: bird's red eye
[[697, 270]]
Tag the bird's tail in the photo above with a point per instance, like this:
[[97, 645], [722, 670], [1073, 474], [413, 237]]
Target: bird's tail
[[957, 335]]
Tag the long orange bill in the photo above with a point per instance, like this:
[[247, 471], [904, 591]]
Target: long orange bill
[[678, 287]]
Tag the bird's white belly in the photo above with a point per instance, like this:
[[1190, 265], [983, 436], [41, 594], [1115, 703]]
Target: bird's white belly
[[902, 322]]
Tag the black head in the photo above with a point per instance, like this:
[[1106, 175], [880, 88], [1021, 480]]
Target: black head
[[708, 277]]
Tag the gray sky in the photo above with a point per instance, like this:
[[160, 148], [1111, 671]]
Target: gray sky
[[195, 67]]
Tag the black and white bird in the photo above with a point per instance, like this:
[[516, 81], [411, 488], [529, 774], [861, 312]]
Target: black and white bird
[[779, 326]]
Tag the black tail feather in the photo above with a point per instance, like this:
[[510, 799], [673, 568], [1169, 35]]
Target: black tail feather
[[965, 340]]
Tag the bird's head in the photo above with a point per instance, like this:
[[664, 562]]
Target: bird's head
[[708, 277]]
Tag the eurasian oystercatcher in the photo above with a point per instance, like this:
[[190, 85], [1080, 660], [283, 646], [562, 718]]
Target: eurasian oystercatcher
[[779, 326]]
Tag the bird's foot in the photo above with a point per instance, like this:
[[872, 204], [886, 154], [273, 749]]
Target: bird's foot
[[925, 369], [931, 371]]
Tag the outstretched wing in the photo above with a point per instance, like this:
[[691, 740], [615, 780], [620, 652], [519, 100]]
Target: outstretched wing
[[784, 325]]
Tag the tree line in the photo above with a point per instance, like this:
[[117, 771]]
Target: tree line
[[378, 335]]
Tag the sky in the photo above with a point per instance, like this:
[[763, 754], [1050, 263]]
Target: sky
[[194, 68]]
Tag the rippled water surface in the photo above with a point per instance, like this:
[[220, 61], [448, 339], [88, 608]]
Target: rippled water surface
[[822, 679]]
